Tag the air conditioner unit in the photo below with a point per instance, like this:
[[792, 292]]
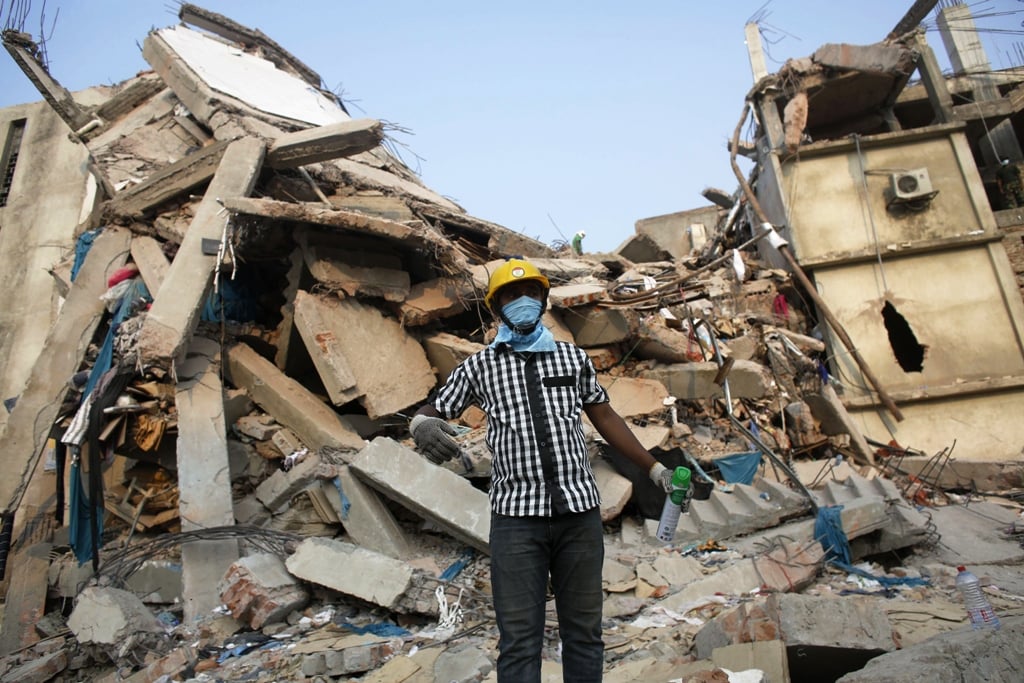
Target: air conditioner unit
[[911, 185]]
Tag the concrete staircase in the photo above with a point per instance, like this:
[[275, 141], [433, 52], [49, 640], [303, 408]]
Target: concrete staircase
[[743, 510], [748, 509], [908, 526]]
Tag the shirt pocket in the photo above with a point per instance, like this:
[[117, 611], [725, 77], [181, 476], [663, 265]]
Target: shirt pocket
[[559, 381]]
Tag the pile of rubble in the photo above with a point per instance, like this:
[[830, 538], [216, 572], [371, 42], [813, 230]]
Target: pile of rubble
[[284, 293]]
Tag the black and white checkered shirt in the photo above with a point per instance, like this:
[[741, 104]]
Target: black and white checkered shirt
[[533, 403]]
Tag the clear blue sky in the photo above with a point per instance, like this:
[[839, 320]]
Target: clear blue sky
[[528, 114]]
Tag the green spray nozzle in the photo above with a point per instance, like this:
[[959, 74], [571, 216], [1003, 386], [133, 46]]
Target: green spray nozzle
[[681, 477]]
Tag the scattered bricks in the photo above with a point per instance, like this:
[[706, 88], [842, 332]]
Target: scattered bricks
[[108, 616], [286, 441], [435, 299], [166, 668], [314, 665], [260, 427], [357, 659], [280, 487], [605, 358], [259, 590]]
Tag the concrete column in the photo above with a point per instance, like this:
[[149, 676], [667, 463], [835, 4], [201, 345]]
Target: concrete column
[[204, 477], [967, 56]]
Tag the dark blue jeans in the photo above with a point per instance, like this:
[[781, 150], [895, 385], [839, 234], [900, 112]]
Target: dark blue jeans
[[524, 551]]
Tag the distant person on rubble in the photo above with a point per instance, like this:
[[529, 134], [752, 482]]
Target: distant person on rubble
[[545, 505], [577, 242], [1008, 177]]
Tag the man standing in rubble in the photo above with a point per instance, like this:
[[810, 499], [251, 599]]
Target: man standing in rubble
[[545, 505], [1010, 185]]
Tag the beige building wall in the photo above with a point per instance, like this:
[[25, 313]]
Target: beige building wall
[[944, 270], [49, 189]]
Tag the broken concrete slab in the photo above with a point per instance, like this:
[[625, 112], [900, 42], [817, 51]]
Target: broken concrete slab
[[434, 300], [392, 372], [435, 493], [37, 407], [289, 402], [595, 326], [177, 178], [39, 670], [357, 272], [445, 351], [352, 570], [805, 622], [960, 655], [366, 517], [690, 381], [277, 490], [616, 490], [110, 616], [567, 296], [631, 396]]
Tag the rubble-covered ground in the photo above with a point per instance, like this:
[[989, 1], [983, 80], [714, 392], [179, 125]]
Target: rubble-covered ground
[[271, 324]]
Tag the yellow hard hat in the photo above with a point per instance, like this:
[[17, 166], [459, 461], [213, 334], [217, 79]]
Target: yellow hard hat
[[513, 270]]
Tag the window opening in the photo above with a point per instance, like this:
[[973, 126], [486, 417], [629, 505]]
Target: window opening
[[11, 151], [909, 353]]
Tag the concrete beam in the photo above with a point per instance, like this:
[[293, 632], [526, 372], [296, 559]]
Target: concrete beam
[[174, 316], [317, 214], [323, 143], [434, 493], [289, 402], [180, 177], [153, 265]]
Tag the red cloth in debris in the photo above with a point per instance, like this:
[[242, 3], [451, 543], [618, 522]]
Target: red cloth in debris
[[122, 274], [780, 306]]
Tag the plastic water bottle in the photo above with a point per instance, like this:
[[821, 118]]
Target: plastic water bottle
[[978, 607], [674, 503]]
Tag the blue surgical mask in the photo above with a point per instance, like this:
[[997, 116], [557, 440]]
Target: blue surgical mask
[[523, 311]]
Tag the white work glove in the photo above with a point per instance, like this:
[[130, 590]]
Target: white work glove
[[433, 437], [661, 476]]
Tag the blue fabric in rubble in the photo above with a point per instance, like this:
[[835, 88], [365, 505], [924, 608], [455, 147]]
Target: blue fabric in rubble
[[828, 530], [82, 246], [739, 468]]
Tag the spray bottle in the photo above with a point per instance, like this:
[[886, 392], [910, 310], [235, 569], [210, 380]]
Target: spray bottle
[[675, 503]]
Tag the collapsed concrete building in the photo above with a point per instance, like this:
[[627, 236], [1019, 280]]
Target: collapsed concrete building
[[235, 294]]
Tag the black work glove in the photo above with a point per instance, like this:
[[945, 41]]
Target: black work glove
[[433, 437]]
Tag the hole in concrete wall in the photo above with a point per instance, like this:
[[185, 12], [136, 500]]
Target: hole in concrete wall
[[909, 353], [9, 158]]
